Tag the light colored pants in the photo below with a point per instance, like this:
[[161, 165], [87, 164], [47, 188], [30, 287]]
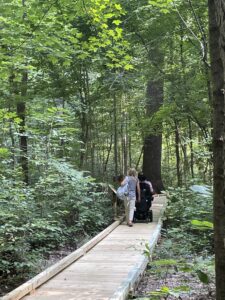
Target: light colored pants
[[129, 205]]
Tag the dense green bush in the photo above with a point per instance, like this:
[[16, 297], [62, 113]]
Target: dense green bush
[[189, 218], [59, 210]]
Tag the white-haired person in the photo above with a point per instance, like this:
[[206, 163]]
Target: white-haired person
[[133, 185]]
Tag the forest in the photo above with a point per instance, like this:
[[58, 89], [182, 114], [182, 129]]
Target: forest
[[90, 88]]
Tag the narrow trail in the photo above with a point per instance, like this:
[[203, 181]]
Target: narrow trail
[[106, 268]]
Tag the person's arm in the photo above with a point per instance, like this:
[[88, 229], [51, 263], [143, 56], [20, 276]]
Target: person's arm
[[125, 181], [150, 186], [138, 192]]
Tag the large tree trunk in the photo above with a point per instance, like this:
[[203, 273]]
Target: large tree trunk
[[153, 142], [152, 161], [217, 51]]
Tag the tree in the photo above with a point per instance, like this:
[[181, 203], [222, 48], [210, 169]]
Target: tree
[[153, 142], [217, 51]]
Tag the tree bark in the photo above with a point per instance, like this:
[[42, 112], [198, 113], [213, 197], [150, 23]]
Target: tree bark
[[85, 118], [217, 51], [84, 132], [153, 143], [108, 155], [191, 147], [177, 150]]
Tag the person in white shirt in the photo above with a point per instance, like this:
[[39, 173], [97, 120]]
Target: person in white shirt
[[133, 185]]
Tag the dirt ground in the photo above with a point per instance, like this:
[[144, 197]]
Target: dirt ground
[[198, 290]]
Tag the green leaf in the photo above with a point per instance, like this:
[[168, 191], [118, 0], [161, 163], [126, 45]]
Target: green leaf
[[117, 22], [4, 152], [203, 277], [202, 224], [165, 262], [118, 7]]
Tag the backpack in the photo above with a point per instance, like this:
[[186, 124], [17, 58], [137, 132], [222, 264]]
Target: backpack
[[122, 192]]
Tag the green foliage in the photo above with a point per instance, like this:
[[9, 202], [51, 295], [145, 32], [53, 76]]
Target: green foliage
[[202, 224], [203, 268], [164, 269], [166, 291], [187, 209], [147, 251], [15, 214], [203, 277], [4, 153], [60, 210], [162, 5], [193, 254], [165, 262]]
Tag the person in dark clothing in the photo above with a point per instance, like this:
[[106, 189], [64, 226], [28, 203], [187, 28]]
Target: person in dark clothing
[[146, 191], [143, 211]]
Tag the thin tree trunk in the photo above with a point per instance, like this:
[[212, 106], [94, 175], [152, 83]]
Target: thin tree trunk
[[62, 141], [139, 159], [21, 112], [185, 162], [125, 154], [115, 135], [85, 117], [177, 150], [122, 147], [108, 154], [129, 150], [167, 156], [93, 171], [191, 147], [11, 133], [84, 130]]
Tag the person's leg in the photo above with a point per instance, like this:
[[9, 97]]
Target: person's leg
[[126, 206], [149, 203], [131, 210]]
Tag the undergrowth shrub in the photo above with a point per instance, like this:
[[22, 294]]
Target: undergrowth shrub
[[189, 218], [185, 254], [63, 207]]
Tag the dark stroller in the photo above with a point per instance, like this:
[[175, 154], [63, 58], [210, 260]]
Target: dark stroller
[[143, 211]]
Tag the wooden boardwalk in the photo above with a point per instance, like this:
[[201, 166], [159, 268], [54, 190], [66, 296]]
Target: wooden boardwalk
[[109, 270]]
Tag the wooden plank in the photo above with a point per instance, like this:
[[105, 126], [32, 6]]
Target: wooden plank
[[67, 295], [38, 280]]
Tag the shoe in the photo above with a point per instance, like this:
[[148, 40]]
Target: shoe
[[130, 224]]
